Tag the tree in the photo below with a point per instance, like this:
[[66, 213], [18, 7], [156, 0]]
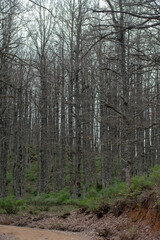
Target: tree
[[41, 39], [8, 43]]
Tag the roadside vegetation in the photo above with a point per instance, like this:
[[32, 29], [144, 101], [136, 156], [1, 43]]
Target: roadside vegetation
[[61, 203]]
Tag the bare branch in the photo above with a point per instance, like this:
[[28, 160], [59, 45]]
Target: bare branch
[[115, 110], [39, 5], [150, 17]]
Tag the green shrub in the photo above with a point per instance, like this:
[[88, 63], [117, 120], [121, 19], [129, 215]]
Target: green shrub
[[89, 203], [10, 205], [114, 191], [31, 189], [155, 175], [20, 202], [63, 196], [92, 192], [44, 200], [50, 202], [72, 201], [140, 183], [37, 201]]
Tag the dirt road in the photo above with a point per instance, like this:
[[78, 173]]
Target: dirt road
[[21, 233]]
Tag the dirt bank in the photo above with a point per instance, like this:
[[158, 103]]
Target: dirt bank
[[129, 219], [85, 226], [21, 233]]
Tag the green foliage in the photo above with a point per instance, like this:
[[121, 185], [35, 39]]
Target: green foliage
[[155, 175], [114, 191], [31, 179], [31, 176], [95, 196], [92, 192], [11, 205], [50, 199], [140, 183], [31, 190], [89, 203], [31, 173], [9, 178], [63, 196]]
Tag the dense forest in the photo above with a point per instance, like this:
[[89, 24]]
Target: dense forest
[[79, 93]]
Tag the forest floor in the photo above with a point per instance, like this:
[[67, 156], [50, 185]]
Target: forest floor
[[126, 221]]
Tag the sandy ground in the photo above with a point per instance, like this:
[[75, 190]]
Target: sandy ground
[[21, 233]]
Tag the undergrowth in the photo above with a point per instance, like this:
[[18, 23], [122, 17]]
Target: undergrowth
[[11, 205], [95, 198]]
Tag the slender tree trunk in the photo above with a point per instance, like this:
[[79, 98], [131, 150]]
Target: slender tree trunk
[[3, 132], [44, 139], [63, 129]]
